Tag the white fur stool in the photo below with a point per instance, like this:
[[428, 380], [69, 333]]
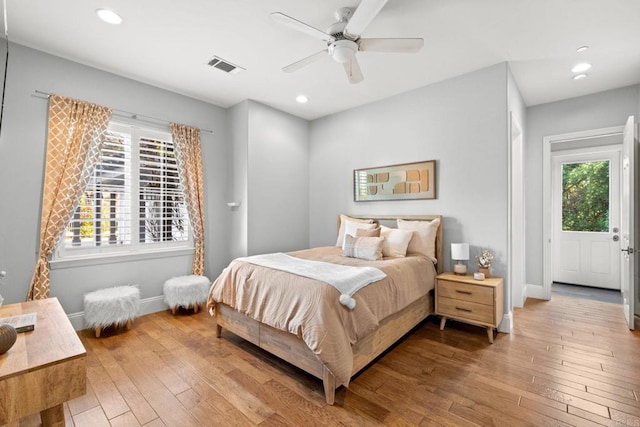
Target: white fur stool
[[186, 291], [111, 306]]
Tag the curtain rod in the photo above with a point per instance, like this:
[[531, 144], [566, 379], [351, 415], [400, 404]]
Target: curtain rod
[[124, 113]]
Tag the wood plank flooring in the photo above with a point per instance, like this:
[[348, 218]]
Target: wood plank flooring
[[568, 362]]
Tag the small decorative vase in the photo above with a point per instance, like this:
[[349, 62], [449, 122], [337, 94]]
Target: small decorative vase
[[8, 337], [485, 271]]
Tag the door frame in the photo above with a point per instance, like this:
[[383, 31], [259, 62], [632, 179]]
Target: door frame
[[516, 243], [544, 291]]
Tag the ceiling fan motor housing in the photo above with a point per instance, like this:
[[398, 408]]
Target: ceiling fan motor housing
[[343, 50]]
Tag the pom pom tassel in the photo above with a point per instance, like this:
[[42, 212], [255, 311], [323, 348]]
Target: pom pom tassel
[[347, 301]]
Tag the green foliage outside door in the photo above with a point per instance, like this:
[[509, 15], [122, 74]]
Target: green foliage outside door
[[585, 196]]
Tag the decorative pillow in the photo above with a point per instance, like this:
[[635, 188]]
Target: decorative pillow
[[373, 232], [369, 248], [395, 241], [423, 241], [349, 225]]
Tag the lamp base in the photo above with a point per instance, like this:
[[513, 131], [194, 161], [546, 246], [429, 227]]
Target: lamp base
[[460, 269]]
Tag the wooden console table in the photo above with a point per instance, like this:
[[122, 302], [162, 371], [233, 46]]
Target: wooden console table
[[45, 367]]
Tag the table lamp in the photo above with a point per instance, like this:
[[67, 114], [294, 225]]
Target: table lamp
[[460, 253]]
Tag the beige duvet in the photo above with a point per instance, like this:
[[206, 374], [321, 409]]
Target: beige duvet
[[310, 309]]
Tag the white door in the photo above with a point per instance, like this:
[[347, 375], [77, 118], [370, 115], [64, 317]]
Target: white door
[[586, 217], [628, 243]]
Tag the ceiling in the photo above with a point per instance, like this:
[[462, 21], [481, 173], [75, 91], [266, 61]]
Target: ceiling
[[168, 43]]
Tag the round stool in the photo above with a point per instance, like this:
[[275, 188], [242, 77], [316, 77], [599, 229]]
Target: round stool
[[186, 291], [111, 306]]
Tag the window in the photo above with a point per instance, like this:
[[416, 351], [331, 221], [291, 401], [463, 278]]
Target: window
[[134, 200], [585, 196]]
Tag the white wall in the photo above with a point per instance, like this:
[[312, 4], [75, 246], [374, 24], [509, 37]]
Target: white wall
[[515, 155], [239, 140], [600, 110], [22, 156], [461, 123], [270, 172]]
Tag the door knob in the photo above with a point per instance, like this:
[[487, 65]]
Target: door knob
[[616, 237]]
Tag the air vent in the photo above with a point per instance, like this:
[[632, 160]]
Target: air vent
[[224, 65]]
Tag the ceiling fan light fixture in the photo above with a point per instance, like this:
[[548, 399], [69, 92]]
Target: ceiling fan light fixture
[[581, 67], [302, 99], [582, 48], [343, 51], [109, 16]]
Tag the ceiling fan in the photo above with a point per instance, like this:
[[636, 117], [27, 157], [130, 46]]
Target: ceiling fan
[[343, 38]]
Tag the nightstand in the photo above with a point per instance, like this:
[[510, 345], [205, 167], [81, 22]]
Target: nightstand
[[479, 302]]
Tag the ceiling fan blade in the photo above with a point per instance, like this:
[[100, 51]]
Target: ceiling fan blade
[[390, 45], [305, 61], [301, 26], [362, 17], [354, 73]]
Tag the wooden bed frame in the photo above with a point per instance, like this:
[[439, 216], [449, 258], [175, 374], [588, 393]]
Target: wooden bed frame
[[292, 349]]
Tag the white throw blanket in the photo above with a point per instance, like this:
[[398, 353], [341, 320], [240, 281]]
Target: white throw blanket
[[346, 279]]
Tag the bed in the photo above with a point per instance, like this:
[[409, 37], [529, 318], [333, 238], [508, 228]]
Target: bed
[[307, 327]]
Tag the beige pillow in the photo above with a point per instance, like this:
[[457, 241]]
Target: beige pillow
[[368, 248], [344, 219], [423, 241], [373, 232], [395, 241]]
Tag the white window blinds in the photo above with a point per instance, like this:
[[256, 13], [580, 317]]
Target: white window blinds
[[134, 200]]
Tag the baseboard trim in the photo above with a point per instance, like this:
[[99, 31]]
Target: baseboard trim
[[147, 306], [534, 291], [506, 325], [636, 322]]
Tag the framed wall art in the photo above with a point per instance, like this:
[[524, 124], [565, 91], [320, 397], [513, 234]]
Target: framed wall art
[[407, 181]]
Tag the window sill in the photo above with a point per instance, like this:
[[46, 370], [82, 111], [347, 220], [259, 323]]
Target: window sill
[[117, 258]]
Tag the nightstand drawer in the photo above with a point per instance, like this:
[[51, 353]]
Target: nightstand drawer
[[465, 292], [471, 311]]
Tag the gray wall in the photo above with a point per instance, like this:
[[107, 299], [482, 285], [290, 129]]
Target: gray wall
[[271, 180], [595, 111], [22, 155], [461, 122]]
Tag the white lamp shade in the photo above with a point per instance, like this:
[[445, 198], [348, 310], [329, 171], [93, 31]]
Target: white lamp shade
[[460, 251]]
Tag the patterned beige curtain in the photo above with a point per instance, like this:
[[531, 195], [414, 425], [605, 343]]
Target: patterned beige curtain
[[74, 140], [189, 160]]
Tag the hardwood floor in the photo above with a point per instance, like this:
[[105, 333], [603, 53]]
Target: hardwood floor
[[567, 362]]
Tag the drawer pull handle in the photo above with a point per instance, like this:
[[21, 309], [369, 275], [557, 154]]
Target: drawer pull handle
[[464, 292], [464, 309]]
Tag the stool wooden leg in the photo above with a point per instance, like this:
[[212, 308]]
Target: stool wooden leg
[[98, 330], [127, 326], [173, 310], [196, 307], [218, 331]]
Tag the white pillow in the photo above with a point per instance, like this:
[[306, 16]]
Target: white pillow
[[368, 248], [395, 241], [344, 219], [423, 241]]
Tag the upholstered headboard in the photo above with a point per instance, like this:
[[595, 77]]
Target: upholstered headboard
[[381, 219]]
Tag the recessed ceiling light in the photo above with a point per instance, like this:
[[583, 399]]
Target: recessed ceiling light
[[302, 99], [109, 16], [582, 48], [579, 68], [580, 77]]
